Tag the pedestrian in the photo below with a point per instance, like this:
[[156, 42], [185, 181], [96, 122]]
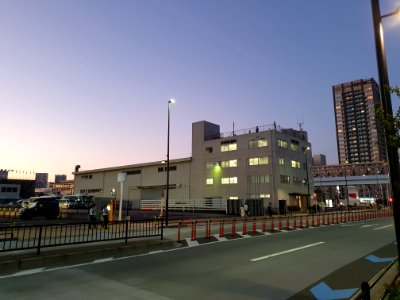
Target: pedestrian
[[105, 212], [269, 210], [242, 212], [92, 216]]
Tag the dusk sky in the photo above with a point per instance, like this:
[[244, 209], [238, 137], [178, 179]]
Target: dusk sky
[[88, 81]]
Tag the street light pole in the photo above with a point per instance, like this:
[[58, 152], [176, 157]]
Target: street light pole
[[171, 101], [308, 181], [347, 187], [392, 154]]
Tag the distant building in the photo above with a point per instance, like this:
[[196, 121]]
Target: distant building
[[319, 160], [65, 187], [360, 136], [16, 188], [41, 180], [3, 174], [60, 178]]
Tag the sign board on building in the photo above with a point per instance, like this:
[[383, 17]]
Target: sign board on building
[[121, 177]]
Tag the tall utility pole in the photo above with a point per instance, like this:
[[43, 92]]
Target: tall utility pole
[[393, 157]]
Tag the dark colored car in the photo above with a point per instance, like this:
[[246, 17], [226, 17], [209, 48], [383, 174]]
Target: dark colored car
[[46, 206]]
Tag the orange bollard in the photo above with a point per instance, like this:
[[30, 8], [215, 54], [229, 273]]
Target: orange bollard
[[193, 237], [294, 223], [244, 228], [307, 223], [221, 228], [318, 220], [254, 226], [179, 232], [301, 222], [9, 214], [272, 226], [312, 222], [280, 224], [4, 214], [15, 214], [207, 229], [234, 228], [287, 224], [264, 225]]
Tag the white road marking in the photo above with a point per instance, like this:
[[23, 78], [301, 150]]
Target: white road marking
[[191, 243], [383, 227], [287, 251], [220, 238], [101, 260], [28, 272], [366, 226]]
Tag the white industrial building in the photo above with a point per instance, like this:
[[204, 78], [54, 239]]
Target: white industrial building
[[266, 163]]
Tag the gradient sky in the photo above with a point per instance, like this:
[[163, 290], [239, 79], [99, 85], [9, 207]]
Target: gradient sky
[[88, 81]]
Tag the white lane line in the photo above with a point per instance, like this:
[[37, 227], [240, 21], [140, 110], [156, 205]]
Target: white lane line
[[101, 260], [28, 272], [287, 251], [366, 226], [383, 227]]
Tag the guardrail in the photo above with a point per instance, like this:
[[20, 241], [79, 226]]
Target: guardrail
[[24, 237]]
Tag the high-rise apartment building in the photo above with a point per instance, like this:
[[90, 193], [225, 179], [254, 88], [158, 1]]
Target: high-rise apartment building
[[41, 180], [359, 135]]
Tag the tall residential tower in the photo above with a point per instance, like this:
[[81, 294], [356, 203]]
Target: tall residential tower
[[359, 135]]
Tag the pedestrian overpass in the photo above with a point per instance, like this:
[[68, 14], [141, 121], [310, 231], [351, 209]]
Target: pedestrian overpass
[[351, 180]]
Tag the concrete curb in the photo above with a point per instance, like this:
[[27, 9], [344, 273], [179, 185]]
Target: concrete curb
[[16, 262]]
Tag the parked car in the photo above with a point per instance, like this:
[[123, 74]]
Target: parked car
[[82, 200], [68, 202], [46, 206]]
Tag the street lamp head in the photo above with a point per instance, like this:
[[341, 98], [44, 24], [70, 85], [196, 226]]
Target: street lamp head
[[171, 101]]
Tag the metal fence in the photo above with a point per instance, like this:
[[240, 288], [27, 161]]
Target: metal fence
[[24, 237]]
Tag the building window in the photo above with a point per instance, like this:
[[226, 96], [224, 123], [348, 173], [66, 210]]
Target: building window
[[295, 164], [258, 143], [209, 181], [86, 177], [134, 172], [281, 161], [229, 163], [285, 179], [233, 198], [229, 180], [259, 179], [209, 150], [297, 180], [283, 144], [258, 161], [164, 169], [228, 146], [265, 196], [294, 147]]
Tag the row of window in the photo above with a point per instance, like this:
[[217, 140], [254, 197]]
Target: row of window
[[255, 161], [258, 179], [164, 169], [91, 191], [9, 189], [231, 145]]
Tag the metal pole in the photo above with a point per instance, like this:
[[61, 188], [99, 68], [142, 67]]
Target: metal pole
[[308, 183], [167, 192], [393, 157], [347, 188]]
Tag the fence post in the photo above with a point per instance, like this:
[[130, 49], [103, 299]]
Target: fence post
[[40, 240], [126, 232]]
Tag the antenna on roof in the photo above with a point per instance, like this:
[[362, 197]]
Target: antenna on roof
[[300, 124], [233, 129]]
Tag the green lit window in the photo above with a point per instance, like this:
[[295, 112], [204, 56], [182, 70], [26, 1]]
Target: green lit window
[[209, 181], [281, 161], [294, 147], [258, 143], [258, 161], [228, 147], [229, 180], [295, 164], [283, 144], [233, 198], [229, 163]]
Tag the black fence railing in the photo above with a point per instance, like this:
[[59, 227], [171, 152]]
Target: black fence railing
[[24, 237]]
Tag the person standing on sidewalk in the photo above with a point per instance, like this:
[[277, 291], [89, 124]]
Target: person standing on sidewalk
[[92, 216], [104, 211]]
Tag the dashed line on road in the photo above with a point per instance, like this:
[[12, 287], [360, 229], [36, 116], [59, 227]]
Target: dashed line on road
[[286, 251], [379, 228]]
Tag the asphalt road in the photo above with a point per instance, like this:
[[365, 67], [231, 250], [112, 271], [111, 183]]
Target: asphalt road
[[297, 264]]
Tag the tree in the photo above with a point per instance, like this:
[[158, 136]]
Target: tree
[[391, 123]]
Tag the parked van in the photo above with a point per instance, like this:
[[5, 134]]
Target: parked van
[[68, 202], [46, 206]]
